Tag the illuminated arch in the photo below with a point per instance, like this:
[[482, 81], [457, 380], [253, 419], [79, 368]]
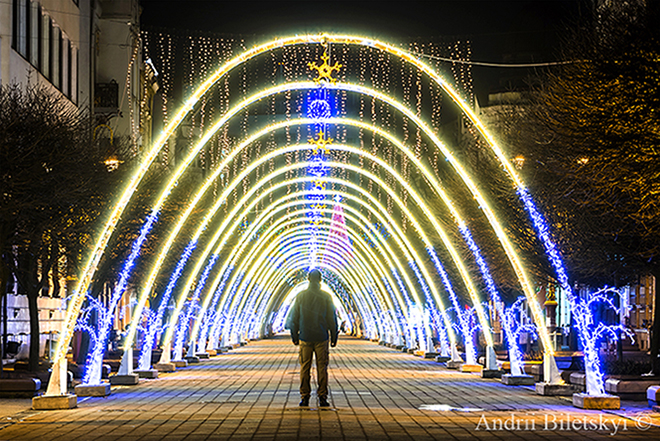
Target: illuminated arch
[[361, 272], [483, 205], [257, 262], [272, 276], [281, 171], [373, 258], [367, 267], [55, 386], [306, 85]]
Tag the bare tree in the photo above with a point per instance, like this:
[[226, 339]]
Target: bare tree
[[52, 186], [592, 142]]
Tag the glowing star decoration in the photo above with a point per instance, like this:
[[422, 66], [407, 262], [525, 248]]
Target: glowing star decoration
[[324, 70], [320, 143]]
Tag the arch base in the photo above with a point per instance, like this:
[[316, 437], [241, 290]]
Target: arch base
[[165, 367], [147, 373], [125, 380], [55, 402]]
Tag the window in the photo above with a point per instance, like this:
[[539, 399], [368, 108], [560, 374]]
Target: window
[[33, 41], [45, 45], [74, 74], [55, 59], [65, 66], [37, 38], [19, 33]]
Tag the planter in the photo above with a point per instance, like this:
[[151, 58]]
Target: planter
[[96, 390], [653, 395], [579, 380], [517, 380], [19, 387], [626, 387], [147, 373], [165, 367], [471, 368], [633, 389], [535, 369], [54, 402], [584, 401], [491, 373], [125, 380]]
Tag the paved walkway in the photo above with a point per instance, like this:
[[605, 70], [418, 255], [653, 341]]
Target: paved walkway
[[376, 393]]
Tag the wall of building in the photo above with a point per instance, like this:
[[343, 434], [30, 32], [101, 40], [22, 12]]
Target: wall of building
[[46, 46], [99, 39], [119, 60]]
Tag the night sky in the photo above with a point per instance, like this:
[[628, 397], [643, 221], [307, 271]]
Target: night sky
[[499, 31]]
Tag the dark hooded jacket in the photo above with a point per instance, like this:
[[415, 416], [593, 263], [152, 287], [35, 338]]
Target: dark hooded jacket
[[313, 317]]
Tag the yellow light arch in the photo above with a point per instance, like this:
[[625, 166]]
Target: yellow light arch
[[55, 386]]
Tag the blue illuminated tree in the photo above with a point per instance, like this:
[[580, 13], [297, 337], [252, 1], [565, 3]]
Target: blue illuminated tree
[[515, 322], [593, 331], [53, 185], [155, 327], [463, 328], [193, 307], [212, 314], [89, 316]]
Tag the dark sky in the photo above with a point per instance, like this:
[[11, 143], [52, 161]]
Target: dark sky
[[499, 31]]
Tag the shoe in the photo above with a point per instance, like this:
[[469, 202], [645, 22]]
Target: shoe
[[304, 402], [323, 402]]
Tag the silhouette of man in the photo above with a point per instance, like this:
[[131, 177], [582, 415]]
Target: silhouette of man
[[313, 321]]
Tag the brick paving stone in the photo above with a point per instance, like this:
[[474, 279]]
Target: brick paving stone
[[251, 393]]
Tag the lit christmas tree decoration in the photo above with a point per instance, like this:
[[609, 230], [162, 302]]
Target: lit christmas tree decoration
[[338, 235]]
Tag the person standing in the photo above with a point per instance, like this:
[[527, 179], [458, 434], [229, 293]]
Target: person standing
[[313, 325]]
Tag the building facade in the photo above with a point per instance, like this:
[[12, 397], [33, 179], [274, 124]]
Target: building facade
[[88, 52]]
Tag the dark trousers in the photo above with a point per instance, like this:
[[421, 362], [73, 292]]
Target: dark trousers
[[322, 351]]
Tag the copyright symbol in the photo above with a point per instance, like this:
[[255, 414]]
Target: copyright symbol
[[643, 422]]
